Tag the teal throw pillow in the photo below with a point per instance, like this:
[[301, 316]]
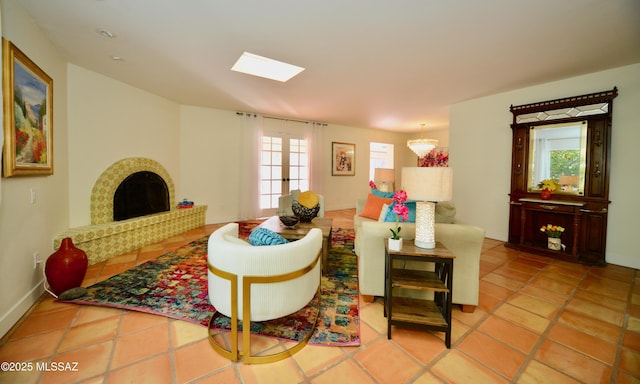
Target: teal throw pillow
[[263, 236], [379, 193], [391, 216]]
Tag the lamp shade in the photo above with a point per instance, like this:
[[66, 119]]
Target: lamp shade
[[384, 179], [428, 183]]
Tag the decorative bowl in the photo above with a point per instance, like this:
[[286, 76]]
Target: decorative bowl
[[305, 214], [289, 221]]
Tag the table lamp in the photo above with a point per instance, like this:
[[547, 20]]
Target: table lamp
[[427, 185], [384, 179]]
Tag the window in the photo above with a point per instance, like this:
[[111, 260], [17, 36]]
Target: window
[[380, 156]]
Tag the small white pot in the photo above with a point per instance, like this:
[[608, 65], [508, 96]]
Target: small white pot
[[554, 243], [395, 245]]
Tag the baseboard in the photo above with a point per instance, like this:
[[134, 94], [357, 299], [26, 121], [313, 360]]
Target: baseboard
[[11, 317]]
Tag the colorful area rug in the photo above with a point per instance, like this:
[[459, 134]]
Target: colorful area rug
[[175, 285]]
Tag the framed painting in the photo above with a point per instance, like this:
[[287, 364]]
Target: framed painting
[[28, 115], [343, 159]]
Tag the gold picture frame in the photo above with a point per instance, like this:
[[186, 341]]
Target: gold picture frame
[[28, 115], [343, 160]]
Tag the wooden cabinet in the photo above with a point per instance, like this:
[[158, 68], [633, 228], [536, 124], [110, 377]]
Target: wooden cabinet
[[582, 209], [426, 314]]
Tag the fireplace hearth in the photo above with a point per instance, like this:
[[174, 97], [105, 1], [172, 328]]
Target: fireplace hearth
[[160, 218]]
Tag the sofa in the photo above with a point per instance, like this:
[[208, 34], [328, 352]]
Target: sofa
[[465, 241]]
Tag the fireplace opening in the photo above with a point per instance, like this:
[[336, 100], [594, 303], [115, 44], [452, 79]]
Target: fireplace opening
[[141, 193]]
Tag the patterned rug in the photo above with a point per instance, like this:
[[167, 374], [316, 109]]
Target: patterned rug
[[175, 285]]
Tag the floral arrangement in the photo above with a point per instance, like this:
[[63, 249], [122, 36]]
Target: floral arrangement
[[401, 210], [549, 184], [438, 157], [554, 231]]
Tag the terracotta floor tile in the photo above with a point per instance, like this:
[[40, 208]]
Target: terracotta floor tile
[[548, 296], [458, 368], [500, 357], [139, 345], [552, 285], [574, 364], [31, 348], [518, 274], [600, 299], [523, 318], [560, 277], [591, 326], [133, 321], [346, 369], [387, 363], [44, 322], [509, 333], [226, 376], [494, 290], [503, 281], [587, 344], [534, 305], [185, 333], [313, 359], [487, 303], [196, 360], [632, 340], [283, 371], [91, 361], [90, 333], [537, 373], [630, 362], [567, 270], [88, 313], [422, 345], [615, 272], [156, 370], [596, 311], [608, 287]]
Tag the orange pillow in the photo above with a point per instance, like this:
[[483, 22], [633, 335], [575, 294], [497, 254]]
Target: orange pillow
[[373, 206]]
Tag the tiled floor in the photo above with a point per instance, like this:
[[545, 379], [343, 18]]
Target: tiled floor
[[539, 321]]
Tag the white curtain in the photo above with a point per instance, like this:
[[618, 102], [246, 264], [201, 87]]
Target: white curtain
[[542, 158], [314, 134], [249, 207]]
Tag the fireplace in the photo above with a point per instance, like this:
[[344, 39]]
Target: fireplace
[[141, 193], [149, 193]]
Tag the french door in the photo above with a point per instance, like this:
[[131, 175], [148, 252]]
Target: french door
[[284, 166]]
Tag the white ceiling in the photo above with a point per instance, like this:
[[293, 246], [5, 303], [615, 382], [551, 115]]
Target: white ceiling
[[369, 63]]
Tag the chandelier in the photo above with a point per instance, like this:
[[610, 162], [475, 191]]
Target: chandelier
[[422, 146]]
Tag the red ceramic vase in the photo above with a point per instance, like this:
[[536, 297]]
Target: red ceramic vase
[[545, 194], [66, 267]]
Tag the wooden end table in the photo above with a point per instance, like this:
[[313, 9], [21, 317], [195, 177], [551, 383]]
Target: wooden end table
[[426, 314], [301, 229]]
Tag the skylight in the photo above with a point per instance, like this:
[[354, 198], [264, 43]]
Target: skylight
[[252, 64]]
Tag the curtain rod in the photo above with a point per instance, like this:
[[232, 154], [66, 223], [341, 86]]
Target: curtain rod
[[282, 118]]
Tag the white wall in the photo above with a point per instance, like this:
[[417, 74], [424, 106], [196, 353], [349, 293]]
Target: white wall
[[110, 121], [27, 228], [481, 156]]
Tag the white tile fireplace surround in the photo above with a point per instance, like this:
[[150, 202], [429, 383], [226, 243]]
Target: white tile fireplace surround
[[105, 238]]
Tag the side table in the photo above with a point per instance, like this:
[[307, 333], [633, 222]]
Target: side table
[[433, 314]]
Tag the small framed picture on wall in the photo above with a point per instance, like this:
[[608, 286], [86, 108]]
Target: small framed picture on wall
[[343, 159]]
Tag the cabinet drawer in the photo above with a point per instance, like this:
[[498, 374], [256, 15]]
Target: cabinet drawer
[[551, 207]]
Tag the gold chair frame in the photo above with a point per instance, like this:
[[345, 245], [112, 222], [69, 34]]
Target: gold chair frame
[[233, 353]]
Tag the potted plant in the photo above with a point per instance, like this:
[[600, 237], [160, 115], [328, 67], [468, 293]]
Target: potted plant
[[553, 232], [401, 210]]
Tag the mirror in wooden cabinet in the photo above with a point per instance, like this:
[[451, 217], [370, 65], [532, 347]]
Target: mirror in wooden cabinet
[[558, 152]]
